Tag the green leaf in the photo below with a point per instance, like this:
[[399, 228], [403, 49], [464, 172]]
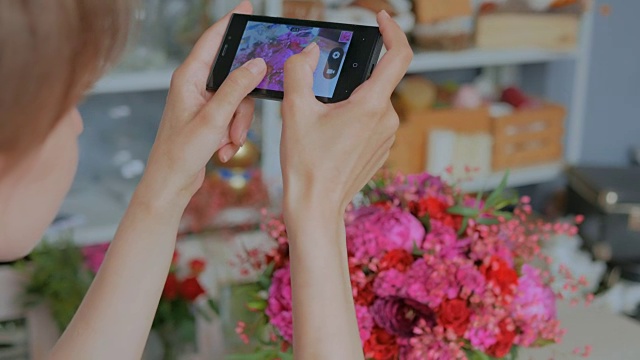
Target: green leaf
[[265, 279], [416, 250], [505, 214], [514, 353], [542, 343], [463, 228], [426, 222], [496, 195], [285, 356], [261, 354], [257, 305], [488, 221], [478, 198], [213, 305], [463, 211], [477, 355]]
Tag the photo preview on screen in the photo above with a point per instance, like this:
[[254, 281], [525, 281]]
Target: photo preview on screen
[[275, 43]]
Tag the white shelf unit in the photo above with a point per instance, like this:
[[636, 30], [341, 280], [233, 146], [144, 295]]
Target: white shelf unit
[[133, 81], [423, 62]]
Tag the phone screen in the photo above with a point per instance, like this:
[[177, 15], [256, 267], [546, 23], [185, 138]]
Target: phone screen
[[275, 43]]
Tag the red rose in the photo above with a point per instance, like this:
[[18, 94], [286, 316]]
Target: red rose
[[429, 206], [398, 259], [454, 314], [170, 290], [505, 341], [381, 345], [190, 288], [437, 210], [500, 273], [197, 266], [365, 295]]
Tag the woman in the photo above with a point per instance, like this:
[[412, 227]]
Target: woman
[[52, 52]]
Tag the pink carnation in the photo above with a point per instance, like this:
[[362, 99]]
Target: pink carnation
[[389, 283], [279, 308], [365, 322], [442, 241], [280, 313], [430, 281], [375, 230], [534, 307]]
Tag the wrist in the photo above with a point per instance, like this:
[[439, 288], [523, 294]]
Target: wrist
[[160, 198], [302, 196]]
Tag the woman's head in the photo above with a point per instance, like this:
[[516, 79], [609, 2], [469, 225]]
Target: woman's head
[[52, 52]]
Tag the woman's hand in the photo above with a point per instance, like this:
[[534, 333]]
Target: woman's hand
[[197, 123], [329, 152]]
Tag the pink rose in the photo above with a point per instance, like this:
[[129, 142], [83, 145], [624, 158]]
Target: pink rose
[[375, 230]]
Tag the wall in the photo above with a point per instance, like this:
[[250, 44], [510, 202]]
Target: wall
[[612, 123]]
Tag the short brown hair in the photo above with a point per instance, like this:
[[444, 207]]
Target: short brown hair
[[51, 52]]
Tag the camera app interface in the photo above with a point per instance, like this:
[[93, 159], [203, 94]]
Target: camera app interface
[[275, 43]]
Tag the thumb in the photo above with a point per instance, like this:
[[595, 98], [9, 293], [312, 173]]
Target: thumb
[[298, 73]]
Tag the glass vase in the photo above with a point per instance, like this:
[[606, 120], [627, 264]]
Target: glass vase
[[147, 48]]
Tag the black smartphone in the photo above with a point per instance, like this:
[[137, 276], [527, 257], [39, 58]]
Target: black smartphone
[[348, 53]]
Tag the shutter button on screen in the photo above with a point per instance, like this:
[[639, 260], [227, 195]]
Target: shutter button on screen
[[333, 63]]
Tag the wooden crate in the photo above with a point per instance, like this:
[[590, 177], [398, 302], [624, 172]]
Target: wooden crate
[[410, 153], [431, 11], [303, 9], [514, 30], [528, 137]]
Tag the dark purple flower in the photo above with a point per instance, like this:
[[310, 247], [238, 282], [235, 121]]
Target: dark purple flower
[[399, 316]]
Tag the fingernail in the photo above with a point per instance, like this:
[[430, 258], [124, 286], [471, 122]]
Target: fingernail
[[255, 66], [310, 47], [243, 138], [224, 158], [385, 14]]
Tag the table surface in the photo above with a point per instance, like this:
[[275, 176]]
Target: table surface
[[611, 337]]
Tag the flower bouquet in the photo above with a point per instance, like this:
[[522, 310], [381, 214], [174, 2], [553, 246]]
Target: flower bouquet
[[436, 274], [60, 274], [183, 297]]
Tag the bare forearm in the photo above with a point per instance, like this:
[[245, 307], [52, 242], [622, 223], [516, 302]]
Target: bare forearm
[[325, 324], [115, 317]]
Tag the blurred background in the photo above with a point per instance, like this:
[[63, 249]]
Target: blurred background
[[547, 90]]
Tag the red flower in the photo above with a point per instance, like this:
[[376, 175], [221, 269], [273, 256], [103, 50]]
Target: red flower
[[170, 290], [365, 295], [381, 345], [176, 256], [197, 266], [190, 288], [384, 204], [454, 314], [436, 210], [398, 259], [429, 206], [501, 274], [505, 341]]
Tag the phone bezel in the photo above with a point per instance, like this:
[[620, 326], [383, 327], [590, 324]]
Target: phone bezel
[[364, 51]]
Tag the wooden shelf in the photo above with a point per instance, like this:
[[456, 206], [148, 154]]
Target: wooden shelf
[[474, 58], [517, 177]]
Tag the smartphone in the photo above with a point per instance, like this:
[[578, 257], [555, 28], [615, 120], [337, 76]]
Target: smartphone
[[348, 54]]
